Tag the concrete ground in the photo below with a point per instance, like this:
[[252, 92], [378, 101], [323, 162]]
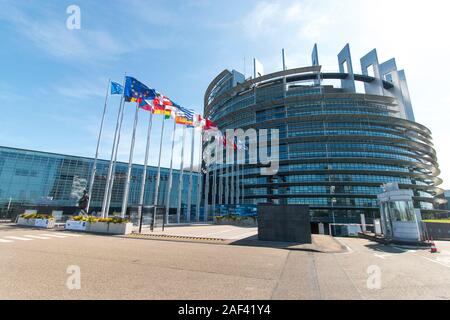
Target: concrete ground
[[225, 232], [34, 264]]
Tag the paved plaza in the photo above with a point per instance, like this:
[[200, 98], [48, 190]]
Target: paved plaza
[[225, 232], [34, 265]]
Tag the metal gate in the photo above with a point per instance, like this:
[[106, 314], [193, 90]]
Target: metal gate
[[149, 219]]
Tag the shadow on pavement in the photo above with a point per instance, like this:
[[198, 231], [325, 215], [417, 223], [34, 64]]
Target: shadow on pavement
[[392, 248], [320, 244]]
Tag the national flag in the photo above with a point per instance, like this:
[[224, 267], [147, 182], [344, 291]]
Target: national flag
[[198, 121], [226, 142], [185, 116], [163, 100], [143, 104], [135, 90], [116, 88], [209, 125], [184, 121], [159, 109]]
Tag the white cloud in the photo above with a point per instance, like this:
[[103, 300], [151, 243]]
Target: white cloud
[[87, 45], [82, 88]]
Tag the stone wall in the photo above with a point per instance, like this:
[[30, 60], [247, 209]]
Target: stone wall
[[284, 223]]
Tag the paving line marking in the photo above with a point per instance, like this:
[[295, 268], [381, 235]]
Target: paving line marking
[[36, 237], [438, 262], [19, 238], [382, 256], [52, 235], [71, 235], [5, 241], [349, 249]]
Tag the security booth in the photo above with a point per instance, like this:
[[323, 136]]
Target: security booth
[[400, 221]]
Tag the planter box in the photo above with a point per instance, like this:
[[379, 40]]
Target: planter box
[[100, 227], [25, 222], [120, 228], [37, 223], [76, 225]]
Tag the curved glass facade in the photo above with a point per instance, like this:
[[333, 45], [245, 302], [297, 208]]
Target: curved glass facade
[[336, 147], [30, 179]]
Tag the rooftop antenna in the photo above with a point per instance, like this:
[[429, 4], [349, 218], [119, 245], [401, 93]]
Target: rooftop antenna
[[283, 56]]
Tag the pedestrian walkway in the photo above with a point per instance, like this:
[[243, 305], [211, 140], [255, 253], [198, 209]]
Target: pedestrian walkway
[[223, 232], [35, 237]]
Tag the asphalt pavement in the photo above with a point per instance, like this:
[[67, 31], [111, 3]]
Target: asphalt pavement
[[42, 264]]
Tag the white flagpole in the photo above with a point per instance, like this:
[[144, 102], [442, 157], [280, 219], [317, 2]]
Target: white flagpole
[[130, 164], [205, 218], [242, 181], [158, 176], [116, 152], [221, 184], [94, 166], [232, 181], [144, 173], [200, 177], [180, 183], [227, 189], [169, 187], [116, 141], [191, 172], [238, 200], [214, 190]]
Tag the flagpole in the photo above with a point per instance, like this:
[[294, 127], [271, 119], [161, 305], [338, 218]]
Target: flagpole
[[242, 182], [237, 181], [205, 218], [189, 201], [130, 164], [221, 183], [233, 184], [113, 177], [200, 177], [214, 191], [94, 166], [116, 140], [227, 189], [158, 176], [144, 173], [180, 183], [169, 187]]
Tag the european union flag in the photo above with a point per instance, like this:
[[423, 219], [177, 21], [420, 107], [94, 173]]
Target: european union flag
[[136, 91], [116, 88]]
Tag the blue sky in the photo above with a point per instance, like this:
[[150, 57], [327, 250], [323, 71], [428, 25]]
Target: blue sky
[[53, 80]]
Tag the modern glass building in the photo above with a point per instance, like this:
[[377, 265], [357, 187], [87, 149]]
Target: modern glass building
[[342, 135], [48, 181]]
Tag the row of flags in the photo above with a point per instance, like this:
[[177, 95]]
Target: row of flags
[[158, 104], [155, 102]]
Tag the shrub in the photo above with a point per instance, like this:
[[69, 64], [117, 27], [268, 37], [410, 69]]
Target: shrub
[[37, 216], [92, 219]]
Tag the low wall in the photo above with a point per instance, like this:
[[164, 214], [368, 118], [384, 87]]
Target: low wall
[[100, 227], [438, 231], [284, 223], [37, 223], [239, 222]]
